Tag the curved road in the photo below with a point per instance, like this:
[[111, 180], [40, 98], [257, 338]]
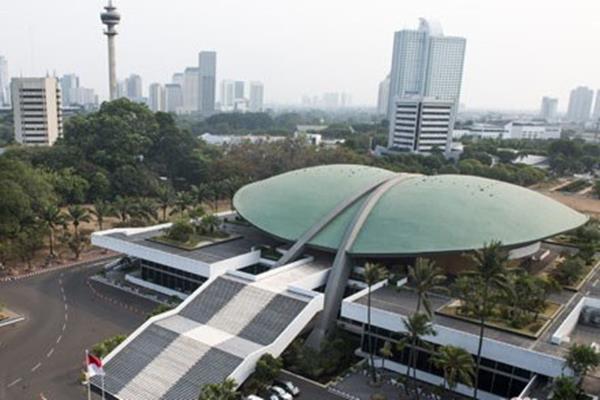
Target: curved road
[[43, 355]]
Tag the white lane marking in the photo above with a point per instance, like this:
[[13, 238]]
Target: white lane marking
[[59, 339], [36, 366], [64, 298], [60, 281], [13, 383], [62, 290], [64, 327], [66, 317], [66, 307], [50, 353]]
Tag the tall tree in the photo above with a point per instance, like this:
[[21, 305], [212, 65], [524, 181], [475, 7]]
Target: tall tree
[[182, 201], [582, 359], [490, 274], [124, 207], [77, 214], [101, 210], [164, 197], [457, 365], [425, 276], [416, 326], [220, 391], [52, 218], [373, 274]]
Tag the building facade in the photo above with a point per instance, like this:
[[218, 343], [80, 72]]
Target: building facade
[[549, 109], [227, 95], [207, 69], [133, 86], [68, 84], [173, 98], [191, 90], [580, 104], [256, 98], [156, 97], [421, 124], [383, 96], [426, 63], [596, 113], [532, 130], [4, 83], [36, 110]]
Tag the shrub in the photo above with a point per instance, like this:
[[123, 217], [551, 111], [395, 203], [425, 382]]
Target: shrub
[[569, 270], [180, 231]]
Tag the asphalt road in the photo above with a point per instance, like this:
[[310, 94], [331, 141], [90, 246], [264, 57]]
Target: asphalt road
[[43, 355]]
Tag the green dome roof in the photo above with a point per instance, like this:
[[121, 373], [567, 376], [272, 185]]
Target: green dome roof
[[419, 214]]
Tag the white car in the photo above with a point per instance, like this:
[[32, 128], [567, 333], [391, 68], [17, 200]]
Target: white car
[[282, 394], [254, 397], [288, 387]]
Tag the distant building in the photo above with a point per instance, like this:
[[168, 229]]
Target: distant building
[[76, 96], [191, 90], [68, 84], [177, 79], [331, 100], [207, 70], [4, 83], [596, 113], [481, 130], [420, 125], [156, 97], [256, 99], [227, 95], [122, 89], [532, 130], [426, 63], [133, 86], [549, 109], [173, 98], [345, 100], [239, 90], [383, 95], [36, 110], [580, 104]]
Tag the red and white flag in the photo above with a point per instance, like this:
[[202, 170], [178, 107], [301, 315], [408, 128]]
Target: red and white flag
[[94, 365]]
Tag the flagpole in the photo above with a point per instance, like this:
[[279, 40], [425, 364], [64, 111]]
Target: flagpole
[[89, 391]]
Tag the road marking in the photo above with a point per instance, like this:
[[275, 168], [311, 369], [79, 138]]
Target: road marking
[[62, 290], [59, 339], [66, 307], [36, 366], [50, 353], [64, 327], [66, 317], [60, 281], [13, 383], [64, 298]]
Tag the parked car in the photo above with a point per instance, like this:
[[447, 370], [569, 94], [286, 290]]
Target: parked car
[[254, 397], [282, 394], [288, 387]]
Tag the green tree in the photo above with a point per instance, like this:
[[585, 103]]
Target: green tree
[[386, 352], [124, 207], [76, 215], [425, 276], [225, 390], [164, 197], [27, 242], [181, 203], [200, 193], [51, 219], [211, 223], [582, 359], [490, 275], [101, 210], [457, 365], [565, 388], [267, 369], [417, 326], [373, 273]]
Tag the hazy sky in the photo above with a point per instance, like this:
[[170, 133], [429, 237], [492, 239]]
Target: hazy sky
[[517, 50]]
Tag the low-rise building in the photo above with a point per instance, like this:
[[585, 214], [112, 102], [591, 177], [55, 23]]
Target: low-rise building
[[532, 130]]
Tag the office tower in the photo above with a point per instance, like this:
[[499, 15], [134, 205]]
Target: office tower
[[4, 83], [177, 79], [426, 63], [256, 100], [580, 104], [239, 90], [68, 83], [134, 87], [207, 65], [111, 19], [383, 95], [173, 98], [121, 89], [345, 100], [36, 110], [421, 124], [549, 108], [84, 97], [227, 95], [191, 90], [596, 113], [331, 100], [156, 97]]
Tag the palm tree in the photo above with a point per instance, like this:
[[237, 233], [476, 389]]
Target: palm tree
[[101, 210], [373, 274], [123, 207], [52, 218], [164, 196], [426, 276], [216, 192], [417, 326], [582, 359], [77, 215], [181, 203], [200, 193], [220, 391], [146, 209], [211, 223], [386, 352], [490, 275], [457, 365]]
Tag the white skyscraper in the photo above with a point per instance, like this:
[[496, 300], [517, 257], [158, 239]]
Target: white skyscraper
[[207, 70], [580, 104], [549, 109], [156, 97], [173, 98], [596, 113], [191, 90], [134, 87], [239, 90], [4, 83], [227, 95], [426, 63], [383, 95], [177, 78], [256, 99], [36, 110], [67, 83]]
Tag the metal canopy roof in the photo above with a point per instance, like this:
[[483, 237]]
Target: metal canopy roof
[[417, 215]]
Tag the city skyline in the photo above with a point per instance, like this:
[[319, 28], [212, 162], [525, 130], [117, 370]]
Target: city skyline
[[491, 47]]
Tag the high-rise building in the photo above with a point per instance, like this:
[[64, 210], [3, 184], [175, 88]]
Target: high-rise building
[[239, 90], [421, 124], [256, 100], [345, 100], [580, 104], [36, 110], [4, 83], [121, 89], [134, 87], [67, 83], [156, 97], [207, 69], [227, 95], [596, 113], [111, 18], [331, 100], [191, 90], [177, 78], [426, 63], [173, 98], [383, 95], [549, 109]]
